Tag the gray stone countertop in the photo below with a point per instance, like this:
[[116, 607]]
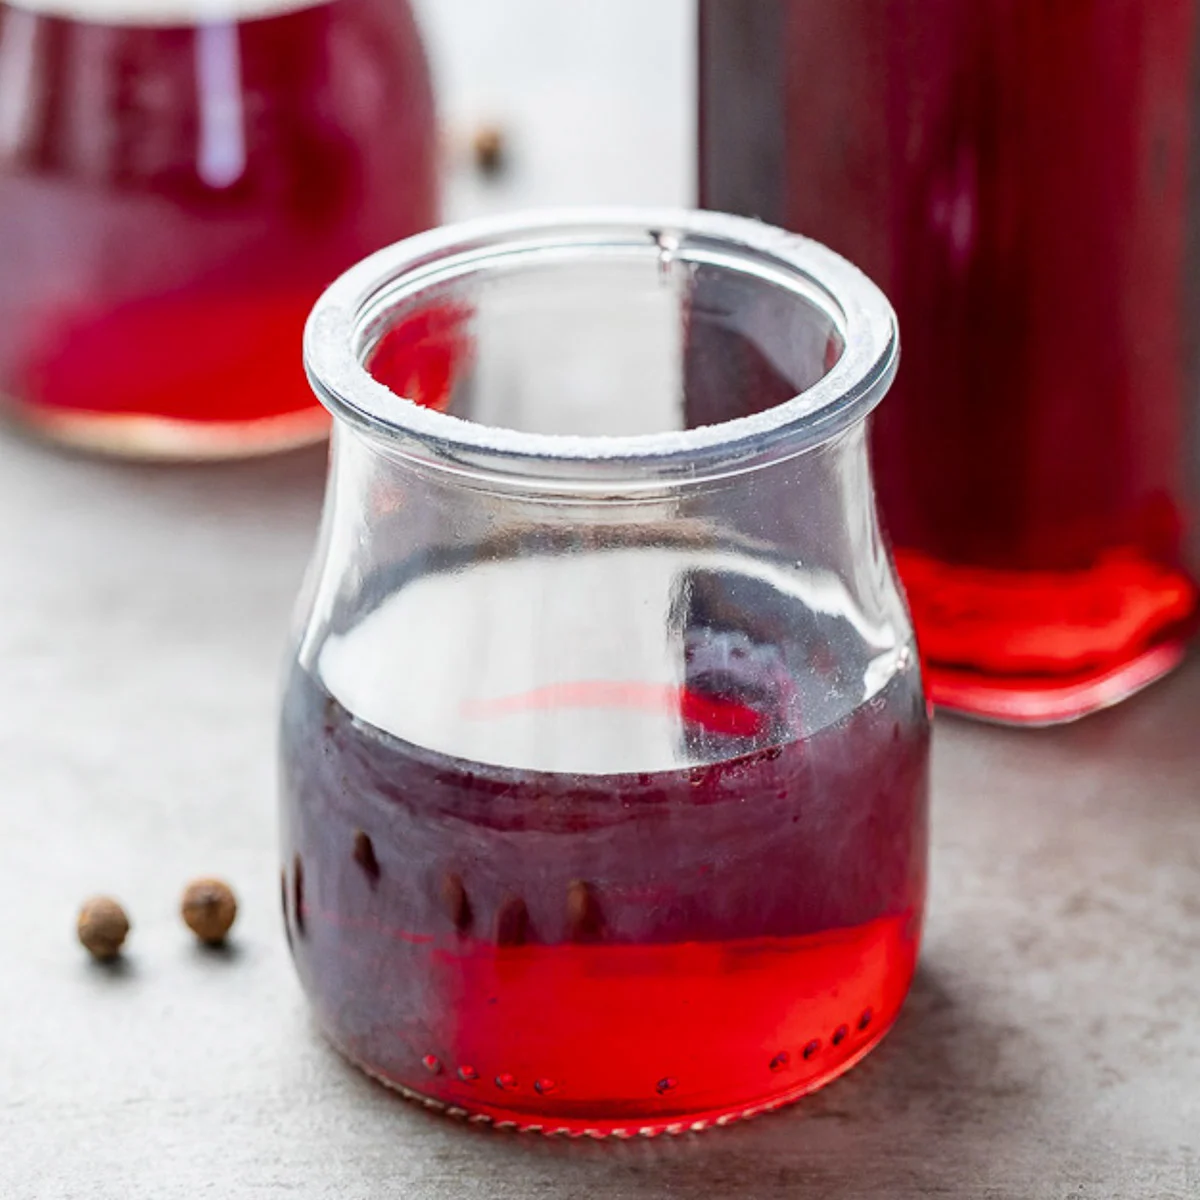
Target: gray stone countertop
[[1050, 1049]]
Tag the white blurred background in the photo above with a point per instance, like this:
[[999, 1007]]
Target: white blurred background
[[594, 99]]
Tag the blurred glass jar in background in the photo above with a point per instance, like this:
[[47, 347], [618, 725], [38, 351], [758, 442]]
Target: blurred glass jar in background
[[1021, 179], [178, 181]]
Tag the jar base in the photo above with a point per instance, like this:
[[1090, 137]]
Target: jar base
[[513, 1120], [163, 439], [1044, 647], [1034, 703]]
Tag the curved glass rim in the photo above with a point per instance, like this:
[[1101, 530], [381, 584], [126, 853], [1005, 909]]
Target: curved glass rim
[[843, 396]]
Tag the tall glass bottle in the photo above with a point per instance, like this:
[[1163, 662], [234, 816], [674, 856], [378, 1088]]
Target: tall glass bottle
[[1021, 179], [178, 181]]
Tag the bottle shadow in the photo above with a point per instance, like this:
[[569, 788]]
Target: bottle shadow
[[945, 1097]]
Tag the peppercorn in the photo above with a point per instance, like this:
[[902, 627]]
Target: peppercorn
[[585, 920], [512, 922], [102, 927], [457, 902], [209, 908], [490, 149]]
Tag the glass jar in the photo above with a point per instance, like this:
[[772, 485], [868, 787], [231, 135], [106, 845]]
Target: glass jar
[[1021, 179], [604, 750], [178, 181]]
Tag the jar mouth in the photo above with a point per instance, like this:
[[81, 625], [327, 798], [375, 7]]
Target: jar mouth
[[341, 331]]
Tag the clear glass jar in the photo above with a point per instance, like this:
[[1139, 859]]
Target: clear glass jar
[[1021, 179], [604, 751], [179, 179]]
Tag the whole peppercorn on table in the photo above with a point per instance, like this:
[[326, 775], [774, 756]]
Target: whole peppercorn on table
[[1050, 1049]]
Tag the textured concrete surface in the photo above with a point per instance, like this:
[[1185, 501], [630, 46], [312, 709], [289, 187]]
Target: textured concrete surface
[[1051, 1048]]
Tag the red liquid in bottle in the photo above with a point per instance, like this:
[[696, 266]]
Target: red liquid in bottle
[[173, 198], [1017, 178], [606, 952]]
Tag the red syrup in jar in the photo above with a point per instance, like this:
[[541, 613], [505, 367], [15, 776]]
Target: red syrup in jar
[[1030, 456], [1019, 179], [173, 198], [590, 905]]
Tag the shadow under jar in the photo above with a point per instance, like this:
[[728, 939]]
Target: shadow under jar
[[179, 179], [604, 748]]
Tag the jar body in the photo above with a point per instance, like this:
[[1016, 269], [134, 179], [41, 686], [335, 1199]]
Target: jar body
[[1021, 183], [600, 815], [173, 197]]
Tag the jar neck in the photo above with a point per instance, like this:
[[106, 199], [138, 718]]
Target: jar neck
[[816, 507]]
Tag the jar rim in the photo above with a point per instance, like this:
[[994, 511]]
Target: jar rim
[[841, 397]]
